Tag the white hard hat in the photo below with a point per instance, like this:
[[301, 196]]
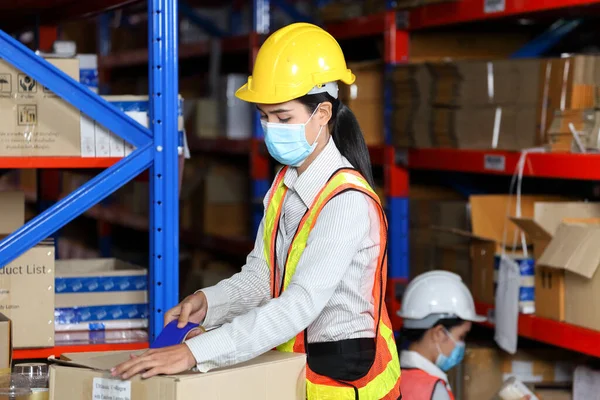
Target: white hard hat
[[437, 295]]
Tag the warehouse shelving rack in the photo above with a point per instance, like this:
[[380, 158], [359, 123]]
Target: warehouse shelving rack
[[581, 167], [156, 150], [396, 162]]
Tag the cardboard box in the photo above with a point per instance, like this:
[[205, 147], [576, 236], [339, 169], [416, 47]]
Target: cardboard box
[[549, 282], [33, 120], [567, 83], [554, 394], [480, 376], [482, 252], [32, 272], [485, 367], [94, 290], [508, 127], [365, 98], [5, 344], [226, 208], [538, 366], [439, 45], [574, 250], [272, 376]]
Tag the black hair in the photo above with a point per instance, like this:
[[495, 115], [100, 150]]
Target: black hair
[[346, 132], [408, 335]]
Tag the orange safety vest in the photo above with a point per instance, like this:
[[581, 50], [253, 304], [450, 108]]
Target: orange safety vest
[[419, 385], [383, 379]]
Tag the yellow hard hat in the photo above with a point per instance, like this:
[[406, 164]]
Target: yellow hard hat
[[291, 62]]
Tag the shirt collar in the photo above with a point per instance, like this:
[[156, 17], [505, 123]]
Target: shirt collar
[[311, 181], [412, 359]]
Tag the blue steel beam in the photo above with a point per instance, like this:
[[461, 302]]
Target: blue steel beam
[[541, 44], [72, 91], [64, 211], [164, 178]]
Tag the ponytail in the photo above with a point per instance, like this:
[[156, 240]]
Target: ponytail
[[346, 133]]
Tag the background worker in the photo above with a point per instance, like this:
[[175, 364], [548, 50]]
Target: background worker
[[438, 312]]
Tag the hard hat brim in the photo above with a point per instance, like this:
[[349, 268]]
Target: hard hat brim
[[245, 94]]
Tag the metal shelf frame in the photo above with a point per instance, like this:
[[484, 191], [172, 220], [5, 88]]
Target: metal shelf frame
[[156, 150]]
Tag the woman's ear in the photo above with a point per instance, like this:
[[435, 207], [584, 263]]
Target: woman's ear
[[438, 333], [324, 113]]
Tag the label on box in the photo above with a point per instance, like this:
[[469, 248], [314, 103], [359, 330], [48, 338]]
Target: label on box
[[111, 389], [493, 162], [494, 6]]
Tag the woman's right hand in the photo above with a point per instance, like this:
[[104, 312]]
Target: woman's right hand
[[192, 309]]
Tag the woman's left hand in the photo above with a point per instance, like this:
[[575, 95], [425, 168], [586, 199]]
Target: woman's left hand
[[168, 360]]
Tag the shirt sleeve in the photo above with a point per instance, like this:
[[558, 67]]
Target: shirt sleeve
[[440, 392], [243, 291], [338, 233]]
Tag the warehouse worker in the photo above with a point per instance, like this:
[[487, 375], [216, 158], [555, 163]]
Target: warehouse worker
[[437, 311], [316, 278]]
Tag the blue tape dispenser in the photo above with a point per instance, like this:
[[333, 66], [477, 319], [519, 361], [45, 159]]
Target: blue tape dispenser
[[172, 335]]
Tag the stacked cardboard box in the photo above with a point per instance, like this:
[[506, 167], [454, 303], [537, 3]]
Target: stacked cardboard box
[[273, 375], [491, 234], [569, 83], [32, 272], [365, 98], [34, 121], [226, 209], [482, 105], [485, 368], [100, 297], [565, 243], [411, 105], [435, 206]]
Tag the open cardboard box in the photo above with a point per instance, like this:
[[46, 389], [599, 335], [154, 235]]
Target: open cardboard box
[[574, 251], [271, 376], [489, 217], [482, 251], [541, 229]]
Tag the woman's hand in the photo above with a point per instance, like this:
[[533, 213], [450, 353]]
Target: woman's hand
[[168, 360], [192, 309]]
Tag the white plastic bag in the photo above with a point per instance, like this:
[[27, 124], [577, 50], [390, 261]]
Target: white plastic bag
[[507, 305]]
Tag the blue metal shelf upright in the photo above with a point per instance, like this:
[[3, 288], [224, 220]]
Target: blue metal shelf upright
[[156, 149]]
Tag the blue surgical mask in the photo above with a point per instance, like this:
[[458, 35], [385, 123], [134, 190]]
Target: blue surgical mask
[[287, 142], [456, 356]]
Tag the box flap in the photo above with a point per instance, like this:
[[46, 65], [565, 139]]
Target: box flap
[[532, 229], [574, 248], [550, 215], [459, 232], [12, 214], [102, 361]]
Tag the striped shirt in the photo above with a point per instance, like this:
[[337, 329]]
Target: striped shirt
[[330, 292]]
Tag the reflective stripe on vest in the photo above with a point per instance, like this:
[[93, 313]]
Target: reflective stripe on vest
[[383, 379], [419, 385]]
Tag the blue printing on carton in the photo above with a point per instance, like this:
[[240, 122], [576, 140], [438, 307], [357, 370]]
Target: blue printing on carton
[[88, 77], [526, 269], [96, 284], [76, 315]]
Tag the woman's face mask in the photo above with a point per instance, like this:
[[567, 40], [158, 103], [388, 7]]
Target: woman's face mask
[[287, 143], [445, 362]]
